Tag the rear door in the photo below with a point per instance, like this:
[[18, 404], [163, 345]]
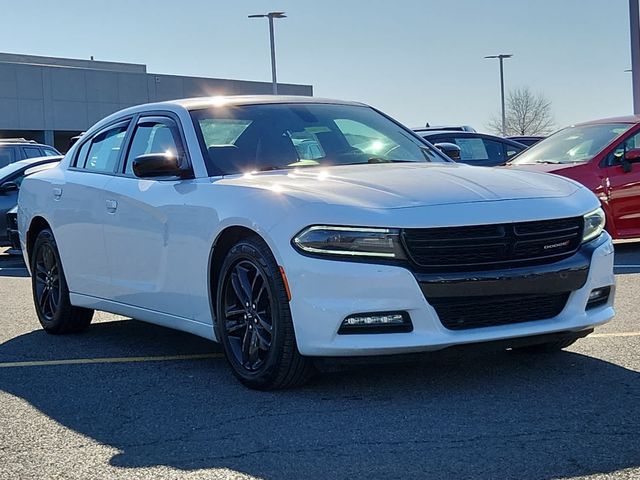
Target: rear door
[[623, 188], [147, 228], [81, 211]]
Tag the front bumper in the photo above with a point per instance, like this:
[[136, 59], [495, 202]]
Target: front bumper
[[324, 292]]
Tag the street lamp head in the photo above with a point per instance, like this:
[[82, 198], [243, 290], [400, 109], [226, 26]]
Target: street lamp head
[[501, 55], [269, 15]]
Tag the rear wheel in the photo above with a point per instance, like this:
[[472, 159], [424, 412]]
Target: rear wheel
[[50, 292], [253, 320]]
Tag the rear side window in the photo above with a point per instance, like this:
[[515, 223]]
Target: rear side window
[[49, 152], [7, 155], [32, 152], [105, 148]]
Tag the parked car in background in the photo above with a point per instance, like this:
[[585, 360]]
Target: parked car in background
[[451, 150], [11, 177], [12, 232], [452, 128], [288, 228], [14, 149], [478, 149], [527, 140], [603, 155]]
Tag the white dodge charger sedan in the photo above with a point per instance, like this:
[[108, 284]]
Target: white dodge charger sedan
[[292, 228]]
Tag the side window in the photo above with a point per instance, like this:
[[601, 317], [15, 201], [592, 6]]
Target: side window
[[471, 149], [630, 143], [81, 156], [32, 152], [7, 155], [153, 136], [105, 150], [511, 151], [49, 152], [494, 151]]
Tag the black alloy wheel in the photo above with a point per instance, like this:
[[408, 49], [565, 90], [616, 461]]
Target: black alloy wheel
[[247, 314], [50, 291], [253, 319]]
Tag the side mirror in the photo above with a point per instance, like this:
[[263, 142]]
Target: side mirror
[[451, 150], [159, 165], [8, 187], [630, 157]]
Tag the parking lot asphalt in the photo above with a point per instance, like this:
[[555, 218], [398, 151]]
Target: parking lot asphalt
[[131, 400]]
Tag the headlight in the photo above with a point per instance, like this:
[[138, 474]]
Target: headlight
[[593, 224], [350, 242]]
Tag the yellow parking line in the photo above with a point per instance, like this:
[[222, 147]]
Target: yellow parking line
[[198, 356], [84, 361], [616, 334]]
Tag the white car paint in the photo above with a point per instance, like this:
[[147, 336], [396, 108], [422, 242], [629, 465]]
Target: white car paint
[[150, 258]]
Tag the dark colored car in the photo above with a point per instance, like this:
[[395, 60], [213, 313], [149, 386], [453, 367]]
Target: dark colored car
[[15, 149], [11, 177], [527, 140], [478, 149], [12, 232], [449, 128], [604, 156]]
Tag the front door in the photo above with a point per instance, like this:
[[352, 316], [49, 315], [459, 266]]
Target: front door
[[623, 189], [146, 230]]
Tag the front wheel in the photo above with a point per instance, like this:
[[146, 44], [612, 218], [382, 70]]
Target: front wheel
[[50, 292], [253, 320]]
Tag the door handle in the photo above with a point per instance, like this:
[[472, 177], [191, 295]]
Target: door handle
[[112, 206], [57, 193]]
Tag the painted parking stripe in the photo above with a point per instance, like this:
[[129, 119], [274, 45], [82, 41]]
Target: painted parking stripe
[[86, 361], [200, 356]]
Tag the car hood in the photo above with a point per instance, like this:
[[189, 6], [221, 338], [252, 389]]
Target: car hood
[[387, 186]]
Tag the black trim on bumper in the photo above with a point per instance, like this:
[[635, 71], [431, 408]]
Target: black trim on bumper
[[564, 276]]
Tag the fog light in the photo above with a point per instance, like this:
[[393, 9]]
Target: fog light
[[598, 296], [378, 322]]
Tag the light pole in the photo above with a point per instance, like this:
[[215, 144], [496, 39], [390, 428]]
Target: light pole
[[271, 16], [501, 57], [634, 24]]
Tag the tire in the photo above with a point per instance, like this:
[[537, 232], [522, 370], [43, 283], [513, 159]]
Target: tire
[[253, 320], [50, 291], [548, 347]]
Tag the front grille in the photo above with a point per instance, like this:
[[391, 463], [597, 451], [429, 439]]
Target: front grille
[[487, 247], [461, 313]]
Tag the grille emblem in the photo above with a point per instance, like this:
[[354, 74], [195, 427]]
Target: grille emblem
[[557, 245]]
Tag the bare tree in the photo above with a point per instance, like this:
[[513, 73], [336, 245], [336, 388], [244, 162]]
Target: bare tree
[[526, 114]]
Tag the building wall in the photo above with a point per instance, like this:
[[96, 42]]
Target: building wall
[[65, 95]]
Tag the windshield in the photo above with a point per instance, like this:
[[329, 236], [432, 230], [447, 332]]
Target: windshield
[[240, 139], [572, 144]]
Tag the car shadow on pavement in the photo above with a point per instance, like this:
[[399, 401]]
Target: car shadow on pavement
[[12, 266], [472, 413]]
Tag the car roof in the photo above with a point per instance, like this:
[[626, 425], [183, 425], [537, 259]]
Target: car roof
[[448, 133], [203, 102], [623, 119]]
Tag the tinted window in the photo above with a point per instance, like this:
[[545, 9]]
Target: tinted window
[[630, 143], [153, 136], [50, 152], [105, 150], [511, 150], [7, 155], [265, 137], [32, 152], [81, 157]]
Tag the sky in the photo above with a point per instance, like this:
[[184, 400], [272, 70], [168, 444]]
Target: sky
[[417, 60]]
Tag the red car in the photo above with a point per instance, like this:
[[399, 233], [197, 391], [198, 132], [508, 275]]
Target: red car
[[603, 155]]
